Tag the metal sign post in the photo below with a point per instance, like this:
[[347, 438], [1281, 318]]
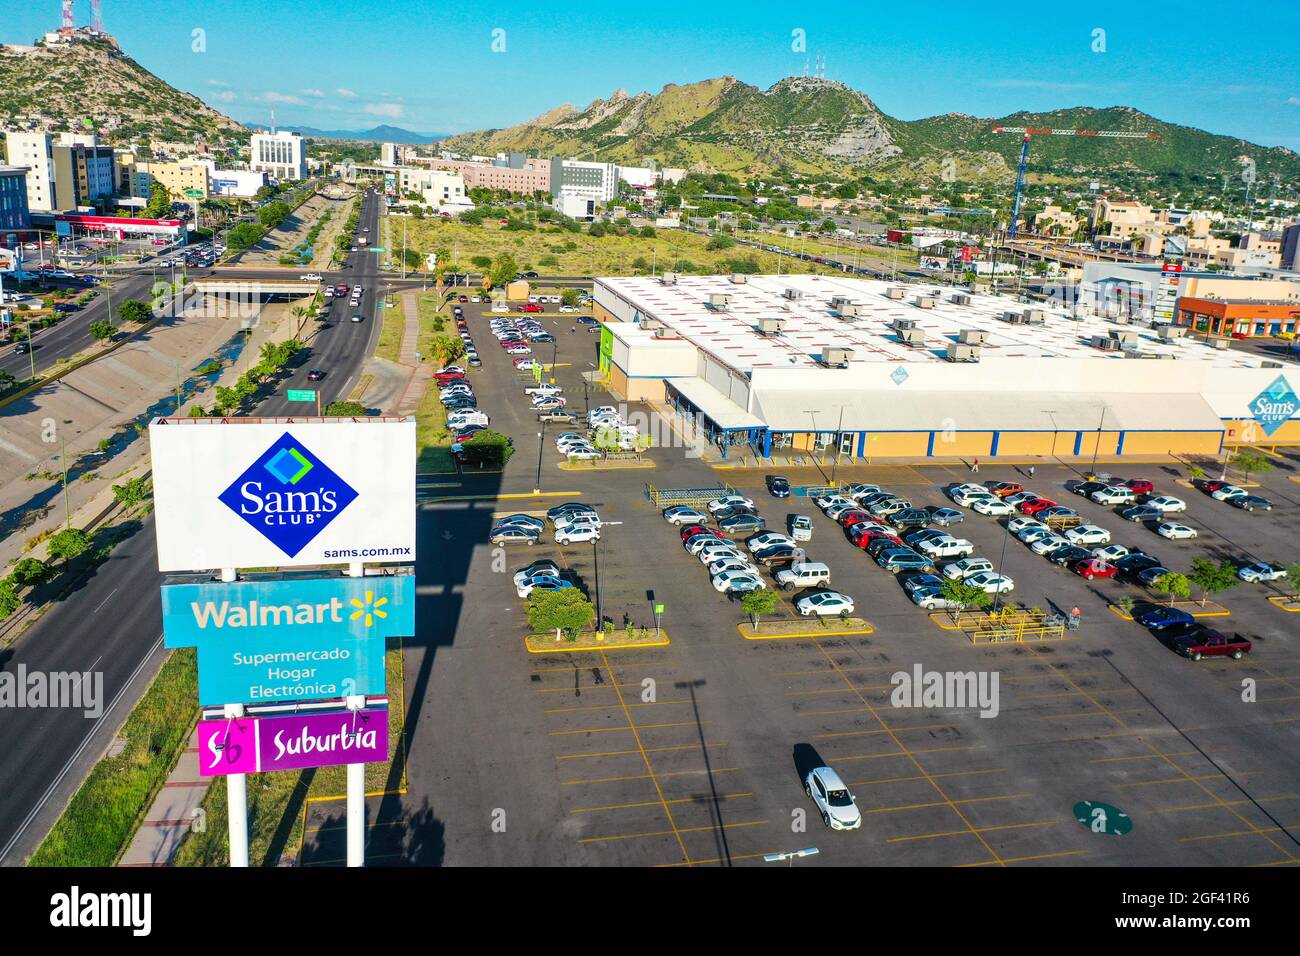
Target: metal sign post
[[659, 610]]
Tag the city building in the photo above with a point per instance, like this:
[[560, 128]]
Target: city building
[[1290, 248], [519, 174], [874, 370], [138, 176], [67, 172], [1239, 318], [14, 214], [32, 151], [282, 155], [390, 154], [578, 186], [1054, 220]]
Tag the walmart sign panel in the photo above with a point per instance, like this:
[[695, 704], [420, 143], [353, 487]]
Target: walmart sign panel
[[285, 640], [247, 493]]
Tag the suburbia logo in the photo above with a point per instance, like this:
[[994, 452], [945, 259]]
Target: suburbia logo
[[1274, 406], [289, 495]]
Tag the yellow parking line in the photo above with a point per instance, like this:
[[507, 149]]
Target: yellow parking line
[[676, 830], [905, 753], [870, 733], [944, 803], [729, 859], [632, 728], [1188, 778], [1159, 756], [655, 803], [1253, 831], [645, 776], [973, 831], [1109, 712], [936, 776], [624, 753], [1226, 803], [585, 707], [1027, 859]]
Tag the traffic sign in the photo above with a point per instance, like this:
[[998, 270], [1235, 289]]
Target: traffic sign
[[195, 193], [377, 249], [301, 395]]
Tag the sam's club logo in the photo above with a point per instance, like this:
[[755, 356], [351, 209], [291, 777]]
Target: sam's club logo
[[1274, 406], [289, 495]]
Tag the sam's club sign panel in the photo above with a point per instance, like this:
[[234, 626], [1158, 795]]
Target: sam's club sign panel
[[288, 640], [250, 493]]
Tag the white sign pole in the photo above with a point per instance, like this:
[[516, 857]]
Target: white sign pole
[[236, 783], [356, 784]]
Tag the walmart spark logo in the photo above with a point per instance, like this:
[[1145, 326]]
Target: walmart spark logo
[[370, 607], [289, 466]]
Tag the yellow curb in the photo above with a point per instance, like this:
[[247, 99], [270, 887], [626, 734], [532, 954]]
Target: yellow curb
[[564, 647], [1119, 612], [1280, 601], [575, 466], [540, 494], [868, 629], [1224, 613]]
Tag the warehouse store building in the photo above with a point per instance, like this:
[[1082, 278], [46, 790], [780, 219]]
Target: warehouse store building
[[870, 369]]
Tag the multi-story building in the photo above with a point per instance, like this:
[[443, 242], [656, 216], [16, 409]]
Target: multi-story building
[[65, 173], [578, 187], [281, 154], [520, 175], [1055, 220], [14, 215], [139, 176], [1290, 254], [32, 151]]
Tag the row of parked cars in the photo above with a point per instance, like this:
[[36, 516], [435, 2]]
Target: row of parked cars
[[472, 358], [734, 566], [570, 523], [1238, 497]]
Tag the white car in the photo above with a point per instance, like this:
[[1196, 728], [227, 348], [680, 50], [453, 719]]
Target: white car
[[767, 539], [967, 567], [1088, 534], [543, 390], [989, 505], [577, 533], [1167, 504], [1174, 531], [572, 518], [1259, 571], [729, 501], [1048, 543], [1113, 495], [1023, 521], [859, 491], [548, 582], [1031, 533], [945, 546], [537, 569], [830, 501], [834, 510], [737, 581], [1226, 492], [968, 487], [519, 350], [731, 564], [1110, 554], [967, 497], [309, 277], [583, 454], [824, 604], [837, 806], [680, 515], [711, 555], [567, 308], [991, 583]]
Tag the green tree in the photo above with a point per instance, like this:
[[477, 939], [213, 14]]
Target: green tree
[[963, 596], [1213, 577], [565, 611], [1293, 578], [160, 202], [481, 262], [30, 572], [8, 597], [102, 329], [1251, 463], [131, 493], [504, 269], [487, 449], [68, 544], [345, 409], [134, 310], [758, 603], [7, 380], [596, 230], [243, 236], [648, 232], [1174, 585], [719, 241], [1195, 471], [272, 214]]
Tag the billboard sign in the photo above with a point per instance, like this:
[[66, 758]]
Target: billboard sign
[[286, 640], [293, 742], [241, 493]]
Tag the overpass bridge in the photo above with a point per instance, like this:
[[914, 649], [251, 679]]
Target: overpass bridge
[[258, 288]]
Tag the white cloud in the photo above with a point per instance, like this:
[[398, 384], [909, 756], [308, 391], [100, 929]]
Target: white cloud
[[386, 110], [273, 97], [226, 96], [1293, 101], [345, 93], [1016, 84], [217, 83], [316, 93]]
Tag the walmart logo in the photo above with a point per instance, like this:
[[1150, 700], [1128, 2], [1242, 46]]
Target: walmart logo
[[1274, 406], [289, 495], [370, 607]]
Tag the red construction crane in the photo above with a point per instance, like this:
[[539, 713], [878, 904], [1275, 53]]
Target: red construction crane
[[1029, 131]]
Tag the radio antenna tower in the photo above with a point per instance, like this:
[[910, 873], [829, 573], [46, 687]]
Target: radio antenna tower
[[97, 16], [69, 24]]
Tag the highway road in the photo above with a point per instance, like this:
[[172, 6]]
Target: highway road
[[112, 623]]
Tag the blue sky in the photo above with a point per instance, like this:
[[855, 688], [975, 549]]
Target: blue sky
[[1231, 69]]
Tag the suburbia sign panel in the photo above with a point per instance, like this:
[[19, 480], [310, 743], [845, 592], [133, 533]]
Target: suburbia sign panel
[[248, 493], [292, 742], [288, 640]]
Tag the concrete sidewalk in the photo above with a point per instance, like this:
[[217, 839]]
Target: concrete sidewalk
[[172, 814]]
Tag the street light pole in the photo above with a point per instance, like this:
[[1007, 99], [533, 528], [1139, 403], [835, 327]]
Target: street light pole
[[1097, 445], [537, 485]]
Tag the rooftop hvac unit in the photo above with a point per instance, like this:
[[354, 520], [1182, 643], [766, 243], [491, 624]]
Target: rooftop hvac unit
[[963, 352], [926, 301], [651, 324], [771, 326], [960, 298], [836, 358], [839, 301], [1170, 333], [718, 300], [1220, 344], [1126, 337], [973, 336], [1268, 364], [1014, 318], [665, 332], [849, 311], [912, 337], [1034, 316], [1105, 343], [902, 325], [668, 278], [895, 293], [793, 294], [738, 278]]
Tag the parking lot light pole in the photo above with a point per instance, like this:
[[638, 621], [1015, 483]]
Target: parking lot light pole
[[595, 555], [537, 485], [1006, 535], [789, 856]]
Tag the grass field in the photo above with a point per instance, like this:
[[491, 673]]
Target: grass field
[[550, 250], [390, 333]]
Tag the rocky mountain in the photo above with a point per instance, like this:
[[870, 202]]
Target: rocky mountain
[[91, 86], [813, 125], [378, 134]]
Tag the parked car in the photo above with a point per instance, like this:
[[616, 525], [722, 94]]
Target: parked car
[[1224, 492], [896, 559], [740, 523], [542, 582], [1048, 543], [1175, 531], [910, 518], [1161, 618], [993, 507], [835, 804], [577, 533], [1088, 534], [959, 570], [1068, 555], [1166, 504], [1207, 642], [1004, 488], [513, 534], [728, 501], [1133, 563], [859, 490], [778, 554], [545, 566], [1148, 577], [737, 581], [1140, 486], [991, 583], [1141, 513], [1114, 495], [946, 517], [824, 604], [525, 521], [945, 547], [768, 539], [1261, 571], [801, 527], [681, 514], [803, 574], [778, 487], [1251, 503], [1084, 489], [1095, 568]]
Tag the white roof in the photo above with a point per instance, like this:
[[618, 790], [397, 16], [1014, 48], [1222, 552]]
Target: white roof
[[811, 324], [721, 410]]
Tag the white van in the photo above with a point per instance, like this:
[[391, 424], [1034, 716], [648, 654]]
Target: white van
[[804, 574]]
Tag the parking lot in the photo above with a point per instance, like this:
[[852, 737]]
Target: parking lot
[[694, 753]]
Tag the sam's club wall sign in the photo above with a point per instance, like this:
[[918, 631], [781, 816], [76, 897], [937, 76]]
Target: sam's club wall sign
[[298, 638], [1274, 407]]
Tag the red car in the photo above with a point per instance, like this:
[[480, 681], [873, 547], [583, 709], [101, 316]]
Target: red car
[[694, 529], [463, 298], [445, 378], [864, 538], [853, 516], [1211, 486], [1207, 642], [1140, 486], [1035, 505], [532, 307], [1095, 568]]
